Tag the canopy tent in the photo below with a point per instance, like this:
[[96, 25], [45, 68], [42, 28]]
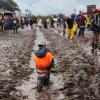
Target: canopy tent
[[5, 11], [5, 6]]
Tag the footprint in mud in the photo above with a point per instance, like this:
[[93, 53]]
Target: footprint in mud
[[44, 95]]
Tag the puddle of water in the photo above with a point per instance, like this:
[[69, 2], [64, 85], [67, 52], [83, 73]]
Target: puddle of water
[[28, 87], [60, 33], [61, 97]]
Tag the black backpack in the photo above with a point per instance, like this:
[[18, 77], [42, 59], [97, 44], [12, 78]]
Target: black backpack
[[97, 20], [95, 25]]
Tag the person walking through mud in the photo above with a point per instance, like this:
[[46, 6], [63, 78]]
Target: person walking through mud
[[44, 61], [70, 23], [52, 23], [45, 23], [81, 24], [95, 27], [3, 23], [40, 23], [22, 22], [15, 25], [64, 25], [32, 22]]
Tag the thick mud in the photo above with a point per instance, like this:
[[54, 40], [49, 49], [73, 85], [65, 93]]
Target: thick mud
[[15, 51], [78, 67], [28, 88], [76, 75]]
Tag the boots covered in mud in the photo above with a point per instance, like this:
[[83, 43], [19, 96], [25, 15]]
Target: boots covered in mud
[[44, 61], [94, 49], [42, 80]]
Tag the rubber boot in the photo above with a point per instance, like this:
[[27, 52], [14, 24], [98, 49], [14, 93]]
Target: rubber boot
[[46, 81], [92, 51], [93, 48], [63, 32], [73, 42], [14, 31], [40, 82], [95, 51], [68, 38]]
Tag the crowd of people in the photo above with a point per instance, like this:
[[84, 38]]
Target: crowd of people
[[74, 25], [79, 23], [9, 22], [6, 22]]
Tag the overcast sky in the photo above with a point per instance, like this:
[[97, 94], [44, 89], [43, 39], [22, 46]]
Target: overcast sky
[[45, 7]]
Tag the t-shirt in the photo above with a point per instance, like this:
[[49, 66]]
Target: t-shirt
[[70, 23], [81, 21], [15, 21]]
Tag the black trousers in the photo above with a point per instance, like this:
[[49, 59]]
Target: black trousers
[[81, 31]]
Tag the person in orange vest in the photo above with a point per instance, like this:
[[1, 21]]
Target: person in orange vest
[[44, 61]]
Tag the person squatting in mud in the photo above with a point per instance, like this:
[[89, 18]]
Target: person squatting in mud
[[95, 27], [44, 62]]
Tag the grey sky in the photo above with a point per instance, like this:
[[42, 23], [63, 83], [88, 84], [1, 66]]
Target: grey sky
[[45, 7]]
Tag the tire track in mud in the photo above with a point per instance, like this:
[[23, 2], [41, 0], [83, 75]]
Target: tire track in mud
[[78, 68]]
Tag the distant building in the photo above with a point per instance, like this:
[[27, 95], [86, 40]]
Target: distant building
[[90, 8]]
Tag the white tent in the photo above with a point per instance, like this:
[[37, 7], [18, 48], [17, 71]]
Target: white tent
[[5, 11]]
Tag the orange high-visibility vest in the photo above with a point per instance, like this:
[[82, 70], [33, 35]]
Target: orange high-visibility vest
[[43, 63]]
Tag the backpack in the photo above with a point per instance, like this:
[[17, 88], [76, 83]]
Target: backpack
[[97, 20], [95, 25]]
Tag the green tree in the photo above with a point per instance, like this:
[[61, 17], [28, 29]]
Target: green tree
[[61, 15], [13, 4]]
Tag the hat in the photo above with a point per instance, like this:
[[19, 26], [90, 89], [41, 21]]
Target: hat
[[41, 43]]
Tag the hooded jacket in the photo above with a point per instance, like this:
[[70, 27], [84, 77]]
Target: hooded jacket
[[43, 59]]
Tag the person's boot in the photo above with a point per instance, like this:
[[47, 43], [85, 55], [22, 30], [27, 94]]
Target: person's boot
[[95, 52], [40, 82], [46, 83], [68, 38], [92, 51], [93, 47], [39, 89], [14, 31], [63, 32]]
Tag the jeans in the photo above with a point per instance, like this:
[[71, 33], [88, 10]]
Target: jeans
[[15, 27], [81, 31]]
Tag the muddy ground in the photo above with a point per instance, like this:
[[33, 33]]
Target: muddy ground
[[15, 53], [80, 69], [76, 75]]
